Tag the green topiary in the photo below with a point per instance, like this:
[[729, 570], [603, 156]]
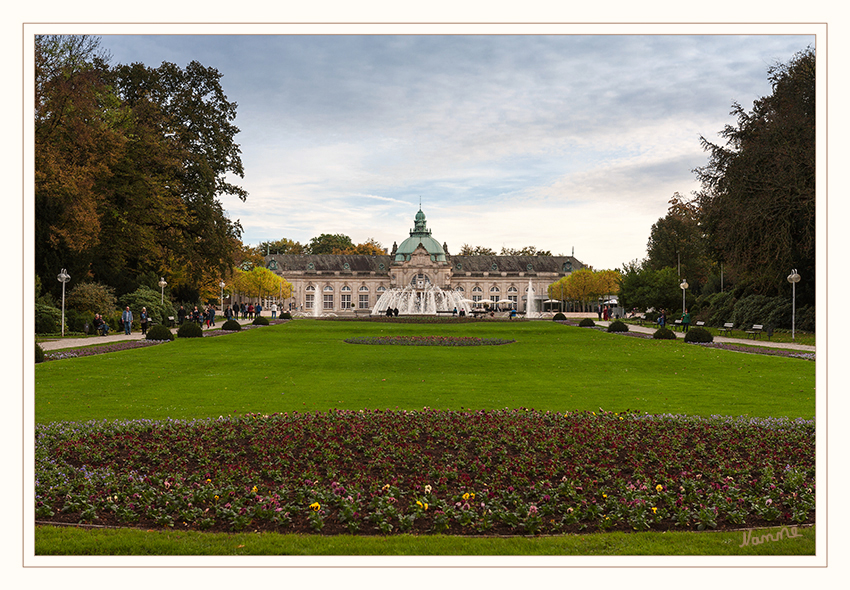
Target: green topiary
[[618, 326], [190, 330], [664, 334], [39, 354], [231, 326], [559, 317], [698, 335], [159, 332], [587, 323], [286, 316], [261, 321]]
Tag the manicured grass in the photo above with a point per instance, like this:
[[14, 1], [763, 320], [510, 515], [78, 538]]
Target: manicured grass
[[51, 540], [306, 365]]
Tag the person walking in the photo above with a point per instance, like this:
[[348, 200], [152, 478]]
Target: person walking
[[143, 320], [181, 316], [127, 318], [274, 310], [686, 320]]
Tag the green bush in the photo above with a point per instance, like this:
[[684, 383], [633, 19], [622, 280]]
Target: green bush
[[159, 332], [559, 317], [618, 326], [39, 354], [91, 297], [651, 316], [261, 321], [664, 334], [587, 323], [231, 325], [190, 330], [47, 319], [286, 316], [76, 321], [147, 297], [698, 335]]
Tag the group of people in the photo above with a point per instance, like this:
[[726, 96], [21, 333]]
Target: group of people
[[686, 319], [392, 312]]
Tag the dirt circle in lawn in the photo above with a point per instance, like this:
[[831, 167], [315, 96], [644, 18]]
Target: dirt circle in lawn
[[428, 341]]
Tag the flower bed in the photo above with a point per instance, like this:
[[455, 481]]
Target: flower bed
[[379, 472], [428, 341]]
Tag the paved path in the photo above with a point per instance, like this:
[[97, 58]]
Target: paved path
[[725, 340], [113, 337], [121, 337]]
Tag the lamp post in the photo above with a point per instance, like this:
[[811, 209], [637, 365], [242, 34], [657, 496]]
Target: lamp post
[[221, 292], [162, 285], [63, 278], [683, 286], [793, 278]]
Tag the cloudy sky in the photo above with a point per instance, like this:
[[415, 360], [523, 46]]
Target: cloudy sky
[[562, 142]]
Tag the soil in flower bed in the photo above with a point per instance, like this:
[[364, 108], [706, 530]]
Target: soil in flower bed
[[428, 341], [472, 473]]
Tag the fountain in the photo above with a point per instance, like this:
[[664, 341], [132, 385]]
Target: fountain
[[530, 312], [429, 300]]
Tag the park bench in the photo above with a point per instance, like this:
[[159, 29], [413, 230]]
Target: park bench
[[700, 324], [677, 324], [727, 327], [755, 331]]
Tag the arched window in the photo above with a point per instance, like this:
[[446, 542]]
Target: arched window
[[420, 281], [345, 298]]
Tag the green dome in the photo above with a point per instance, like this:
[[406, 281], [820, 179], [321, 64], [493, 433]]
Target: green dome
[[420, 234]]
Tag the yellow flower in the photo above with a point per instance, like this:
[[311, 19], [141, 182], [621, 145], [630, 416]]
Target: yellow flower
[[466, 496], [216, 497], [659, 488], [604, 495], [472, 495], [254, 490], [385, 488], [654, 510], [315, 506], [209, 481]]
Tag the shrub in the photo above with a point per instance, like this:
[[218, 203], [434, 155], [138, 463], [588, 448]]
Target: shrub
[[559, 317], [231, 325], [698, 335], [651, 316], [261, 321], [159, 332], [190, 330], [47, 319], [39, 354], [618, 326], [147, 297], [91, 297], [286, 316], [587, 323], [664, 334], [76, 321]]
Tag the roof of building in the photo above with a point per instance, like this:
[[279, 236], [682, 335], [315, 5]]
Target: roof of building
[[420, 235]]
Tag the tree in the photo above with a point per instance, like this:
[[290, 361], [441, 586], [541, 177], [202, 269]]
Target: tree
[[676, 240], [757, 201], [467, 250], [526, 251], [91, 297], [645, 288], [370, 247], [283, 246], [130, 163], [330, 244], [260, 282]]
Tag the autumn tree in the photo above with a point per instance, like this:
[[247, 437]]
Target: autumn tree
[[757, 201], [260, 282], [283, 246], [677, 240], [526, 251]]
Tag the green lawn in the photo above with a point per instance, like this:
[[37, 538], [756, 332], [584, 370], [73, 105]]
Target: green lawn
[[306, 365]]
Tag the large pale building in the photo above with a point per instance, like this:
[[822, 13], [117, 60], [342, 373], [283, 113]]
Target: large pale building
[[348, 283]]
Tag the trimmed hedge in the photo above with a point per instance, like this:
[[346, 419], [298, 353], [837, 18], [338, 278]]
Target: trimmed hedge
[[587, 323], [698, 335], [664, 334], [559, 317], [618, 326], [231, 326], [260, 321], [39, 354], [190, 330], [286, 316], [159, 332]]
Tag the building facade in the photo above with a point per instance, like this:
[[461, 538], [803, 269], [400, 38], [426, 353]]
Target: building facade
[[342, 283]]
